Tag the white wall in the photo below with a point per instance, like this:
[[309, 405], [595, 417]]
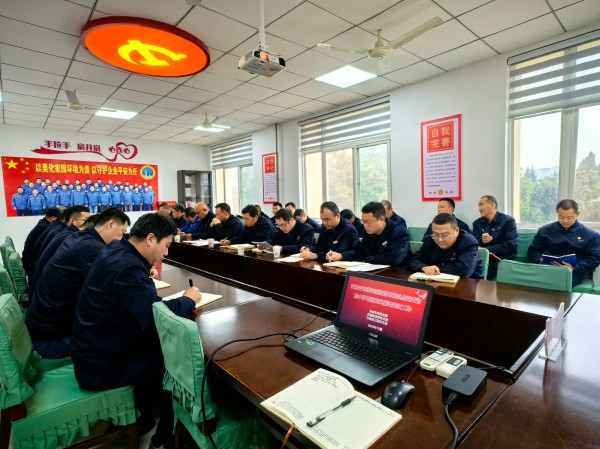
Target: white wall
[[170, 157]]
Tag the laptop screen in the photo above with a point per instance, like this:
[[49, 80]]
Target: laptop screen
[[388, 309]]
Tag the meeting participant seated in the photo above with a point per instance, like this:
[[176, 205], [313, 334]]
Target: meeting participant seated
[[165, 209], [301, 216], [291, 234], [385, 242], [448, 250], [206, 217], [568, 236], [114, 341], [260, 211], [446, 206], [225, 226], [51, 215], [389, 213], [177, 216], [256, 229], [336, 235], [349, 216], [275, 207], [50, 315], [495, 231], [291, 206], [192, 221]]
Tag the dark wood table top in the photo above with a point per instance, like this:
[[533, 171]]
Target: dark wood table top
[[259, 369], [552, 404]]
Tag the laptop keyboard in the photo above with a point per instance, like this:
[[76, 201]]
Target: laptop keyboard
[[377, 357]]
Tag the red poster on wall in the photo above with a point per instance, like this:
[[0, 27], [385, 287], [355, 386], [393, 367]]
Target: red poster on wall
[[269, 173], [40, 173]]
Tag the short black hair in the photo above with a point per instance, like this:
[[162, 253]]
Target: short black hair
[[386, 204], [442, 219], [224, 207], [75, 212], [153, 223], [251, 210], [112, 214], [277, 203], [298, 213], [346, 214], [491, 199], [567, 204], [331, 206], [450, 201], [178, 208], [375, 208], [189, 212], [283, 214], [161, 205], [90, 221], [291, 203]]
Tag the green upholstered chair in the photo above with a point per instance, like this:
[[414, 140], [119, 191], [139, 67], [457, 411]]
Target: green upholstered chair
[[49, 410], [9, 240], [415, 246], [229, 422], [586, 286], [535, 275], [19, 278], [485, 258], [6, 284], [416, 234], [4, 248], [524, 239]]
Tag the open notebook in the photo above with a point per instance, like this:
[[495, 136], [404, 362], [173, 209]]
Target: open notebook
[[207, 298]]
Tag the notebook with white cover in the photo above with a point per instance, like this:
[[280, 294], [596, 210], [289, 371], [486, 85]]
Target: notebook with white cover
[[207, 298]]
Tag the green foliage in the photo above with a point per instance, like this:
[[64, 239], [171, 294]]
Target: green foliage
[[538, 197], [373, 175], [587, 188], [340, 178]]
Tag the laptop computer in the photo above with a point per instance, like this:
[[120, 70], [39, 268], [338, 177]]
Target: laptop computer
[[376, 315]]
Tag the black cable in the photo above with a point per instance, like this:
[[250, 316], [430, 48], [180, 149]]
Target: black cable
[[210, 359], [449, 402], [293, 331], [413, 371]]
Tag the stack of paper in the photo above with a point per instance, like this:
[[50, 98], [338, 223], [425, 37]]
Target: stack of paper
[[207, 298], [445, 278], [354, 266]]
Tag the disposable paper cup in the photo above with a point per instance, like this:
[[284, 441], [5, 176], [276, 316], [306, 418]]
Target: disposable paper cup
[[277, 251], [240, 251], [211, 243], [177, 238]]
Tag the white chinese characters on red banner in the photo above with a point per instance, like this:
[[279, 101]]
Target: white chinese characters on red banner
[[441, 158], [269, 172]]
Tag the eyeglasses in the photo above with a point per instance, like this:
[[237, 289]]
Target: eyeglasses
[[369, 222], [443, 236], [282, 225]]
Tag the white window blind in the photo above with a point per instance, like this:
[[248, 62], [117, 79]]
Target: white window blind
[[364, 122], [566, 75], [232, 154]]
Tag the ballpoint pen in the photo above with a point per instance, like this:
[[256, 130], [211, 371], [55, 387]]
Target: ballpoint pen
[[191, 283], [324, 415]]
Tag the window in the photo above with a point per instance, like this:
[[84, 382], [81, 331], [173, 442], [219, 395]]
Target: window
[[554, 110], [232, 166], [345, 156]]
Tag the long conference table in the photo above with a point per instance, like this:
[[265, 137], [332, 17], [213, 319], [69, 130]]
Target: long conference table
[[492, 324]]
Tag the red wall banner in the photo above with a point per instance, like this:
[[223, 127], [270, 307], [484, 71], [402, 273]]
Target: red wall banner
[[15, 169]]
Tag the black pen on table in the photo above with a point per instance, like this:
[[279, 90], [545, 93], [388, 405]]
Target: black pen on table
[[324, 415], [191, 283]]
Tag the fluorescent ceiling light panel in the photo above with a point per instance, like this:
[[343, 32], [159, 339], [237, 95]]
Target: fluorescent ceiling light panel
[[346, 76], [213, 128], [114, 113]]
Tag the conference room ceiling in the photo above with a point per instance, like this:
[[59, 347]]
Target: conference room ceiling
[[41, 56]]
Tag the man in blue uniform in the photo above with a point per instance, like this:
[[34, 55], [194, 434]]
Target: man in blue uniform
[[20, 202], [104, 199], [148, 199], [225, 226], [301, 216], [349, 216], [446, 206], [51, 197], [448, 250], [38, 202], [256, 229], [336, 235], [203, 230], [568, 236], [93, 198], [292, 235], [137, 199], [178, 216], [389, 213], [127, 199], [64, 196], [79, 197], [385, 242], [116, 198], [495, 231], [114, 341], [192, 220], [51, 215], [52, 304]]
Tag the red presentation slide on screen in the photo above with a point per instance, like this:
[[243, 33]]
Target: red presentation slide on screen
[[390, 310]]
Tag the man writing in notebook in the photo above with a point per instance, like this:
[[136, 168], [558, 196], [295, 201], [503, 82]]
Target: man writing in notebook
[[292, 234], [448, 250], [568, 236], [336, 235], [257, 229]]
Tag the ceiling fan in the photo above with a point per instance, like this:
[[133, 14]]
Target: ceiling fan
[[210, 123], [381, 51], [74, 103]]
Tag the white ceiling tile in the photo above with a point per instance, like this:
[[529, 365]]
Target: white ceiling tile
[[416, 72], [224, 121], [252, 92], [107, 122], [308, 24], [215, 30], [502, 14], [89, 130], [227, 66], [249, 126], [11, 72], [70, 115], [373, 86], [174, 103], [342, 97], [355, 11], [521, 35], [190, 119], [84, 98], [286, 100], [280, 81], [212, 83], [56, 15], [154, 114], [93, 73], [135, 96], [211, 109], [243, 116], [24, 116], [58, 127], [161, 10], [277, 46], [23, 123], [396, 59], [82, 55], [557, 4], [134, 125], [88, 3], [457, 7], [178, 139], [262, 108], [312, 64], [88, 87], [121, 133], [266, 120], [29, 89], [313, 89], [463, 56], [314, 106], [192, 94], [147, 84], [579, 14], [172, 128], [247, 11], [34, 60], [290, 114], [23, 35], [124, 105], [27, 109], [356, 39], [444, 37], [10, 97], [65, 122]]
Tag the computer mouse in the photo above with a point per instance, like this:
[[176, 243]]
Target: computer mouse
[[397, 394]]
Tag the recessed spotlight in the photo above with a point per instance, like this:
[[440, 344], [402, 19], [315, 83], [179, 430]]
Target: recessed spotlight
[[115, 113], [346, 76]]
